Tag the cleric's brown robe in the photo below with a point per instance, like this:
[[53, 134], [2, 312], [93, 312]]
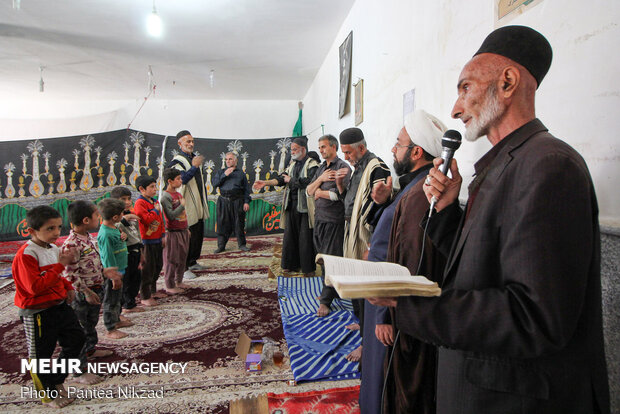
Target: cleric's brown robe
[[411, 382]]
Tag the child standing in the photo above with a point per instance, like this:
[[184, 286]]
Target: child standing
[[129, 227], [152, 233], [86, 273], [177, 243], [43, 297], [113, 254]]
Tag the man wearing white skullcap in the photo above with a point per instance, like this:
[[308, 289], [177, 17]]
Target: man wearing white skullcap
[[411, 378]]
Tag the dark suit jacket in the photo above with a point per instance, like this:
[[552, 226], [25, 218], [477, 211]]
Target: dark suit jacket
[[519, 321]]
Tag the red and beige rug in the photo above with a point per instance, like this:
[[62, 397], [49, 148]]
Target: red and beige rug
[[331, 401]]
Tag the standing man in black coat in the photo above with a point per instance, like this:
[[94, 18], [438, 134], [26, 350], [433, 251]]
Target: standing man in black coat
[[232, 204], [519, 321]]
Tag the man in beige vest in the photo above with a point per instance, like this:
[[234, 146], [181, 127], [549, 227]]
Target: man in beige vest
[[193, 190]]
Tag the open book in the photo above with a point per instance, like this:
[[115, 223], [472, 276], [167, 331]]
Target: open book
[[361, 279]]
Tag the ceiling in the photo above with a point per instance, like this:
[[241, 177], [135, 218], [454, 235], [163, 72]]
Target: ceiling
[[100, 49]]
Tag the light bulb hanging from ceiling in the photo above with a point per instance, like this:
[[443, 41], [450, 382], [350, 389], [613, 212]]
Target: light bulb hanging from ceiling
[[212, 78], [16, 4], [153, 23]]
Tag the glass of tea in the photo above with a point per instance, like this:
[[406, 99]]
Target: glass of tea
[[278, 358]]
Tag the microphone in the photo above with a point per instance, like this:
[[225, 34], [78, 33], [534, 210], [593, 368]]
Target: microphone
[[450, 142]]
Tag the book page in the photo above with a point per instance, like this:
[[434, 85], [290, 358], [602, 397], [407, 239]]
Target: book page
[[335, 265], [379, 280]]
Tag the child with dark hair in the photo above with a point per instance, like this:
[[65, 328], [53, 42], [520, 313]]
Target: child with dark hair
[[43, 297], [86, 273], [147, 208], [113, 254], [129, 228], [177, 243]]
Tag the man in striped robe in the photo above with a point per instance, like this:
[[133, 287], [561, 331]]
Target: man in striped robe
[[360, 211]]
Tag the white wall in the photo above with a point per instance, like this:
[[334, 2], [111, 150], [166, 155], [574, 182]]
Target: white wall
[[207, 119], [399, 45]]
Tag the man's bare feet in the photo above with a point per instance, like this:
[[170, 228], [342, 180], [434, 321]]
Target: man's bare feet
[[160, 295], [124, 318], [355, 355], [174, 291], [183, 285], [86, 379], [149, 302], [311, 274], [132, 310], [101, 353], [323, 310], [124, 324], [62, 400], [115, 334], [353, 327]]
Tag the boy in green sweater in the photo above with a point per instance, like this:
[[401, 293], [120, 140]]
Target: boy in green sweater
[[113, 251]]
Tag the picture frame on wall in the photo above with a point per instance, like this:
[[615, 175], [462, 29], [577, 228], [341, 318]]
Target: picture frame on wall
[[359, 102], [506, 10], [345, 75]]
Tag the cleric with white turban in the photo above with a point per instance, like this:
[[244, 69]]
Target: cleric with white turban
[[425, 130], [412, 374]]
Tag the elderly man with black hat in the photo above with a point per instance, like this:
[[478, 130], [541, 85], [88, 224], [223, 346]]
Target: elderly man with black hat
[[519, 320], [297, 208], [195, 195], [360, 212]]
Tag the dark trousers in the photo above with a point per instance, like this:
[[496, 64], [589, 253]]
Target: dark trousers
[[111, 305], [196, 236], [230, 218], [297, 245], [358, 311], [44, 329], [328, 239], [132, 278], [152, 262], [88, 315]]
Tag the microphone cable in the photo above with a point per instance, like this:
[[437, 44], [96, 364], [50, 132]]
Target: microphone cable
[[389, 366]]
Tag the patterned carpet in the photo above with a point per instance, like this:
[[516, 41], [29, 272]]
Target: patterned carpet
[[200, 327]]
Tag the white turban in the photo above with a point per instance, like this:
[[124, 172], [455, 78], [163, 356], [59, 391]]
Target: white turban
[[425, 131]]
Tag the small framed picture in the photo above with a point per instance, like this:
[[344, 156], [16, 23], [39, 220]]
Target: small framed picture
[[359, 102], [506, 10]]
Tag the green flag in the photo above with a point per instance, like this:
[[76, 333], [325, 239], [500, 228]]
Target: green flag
[[297, 130]]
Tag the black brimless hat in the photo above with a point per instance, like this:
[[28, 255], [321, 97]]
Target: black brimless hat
[[522, 44], [351, 136]]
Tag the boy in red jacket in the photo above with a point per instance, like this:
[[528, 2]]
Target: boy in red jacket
[[152, 233], [43, 297]]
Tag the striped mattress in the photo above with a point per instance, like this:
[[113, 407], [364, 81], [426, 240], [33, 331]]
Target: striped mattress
[[317, 346]]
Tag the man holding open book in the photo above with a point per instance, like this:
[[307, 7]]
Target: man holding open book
[[519, 319]]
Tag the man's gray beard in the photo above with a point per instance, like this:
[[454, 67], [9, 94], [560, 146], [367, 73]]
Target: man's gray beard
[[491, 112]]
